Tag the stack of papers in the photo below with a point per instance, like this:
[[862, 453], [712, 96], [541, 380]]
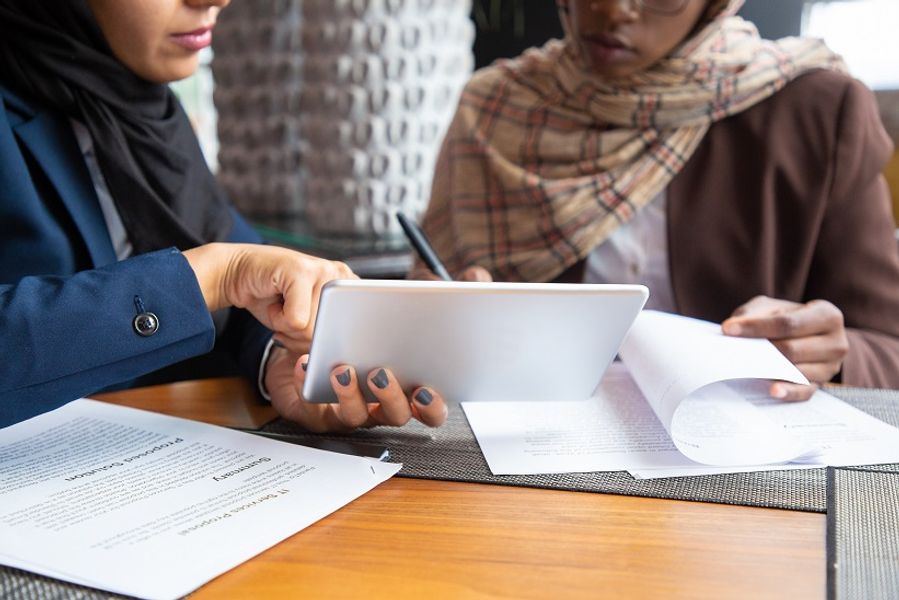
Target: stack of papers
[[685, 400], [153, 506]]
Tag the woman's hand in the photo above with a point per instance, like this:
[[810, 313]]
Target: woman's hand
[[470, 274], [280, 287], [811, 335], [284, 379]]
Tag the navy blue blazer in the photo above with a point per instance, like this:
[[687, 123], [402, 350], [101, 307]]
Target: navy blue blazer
[[67, 305]]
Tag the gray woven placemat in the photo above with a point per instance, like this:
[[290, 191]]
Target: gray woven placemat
[[22, 585], [862, 534], [451, 453]]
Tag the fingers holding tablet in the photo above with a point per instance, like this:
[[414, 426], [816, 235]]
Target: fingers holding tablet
[[352, 410], [395, 408], [428, 407], [392, 406]]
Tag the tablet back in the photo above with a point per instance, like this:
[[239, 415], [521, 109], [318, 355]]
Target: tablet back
[[473, 341]]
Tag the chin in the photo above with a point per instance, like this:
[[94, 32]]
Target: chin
[[614, 72], [167, 71]]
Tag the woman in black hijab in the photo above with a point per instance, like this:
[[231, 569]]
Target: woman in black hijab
[[116, 243]]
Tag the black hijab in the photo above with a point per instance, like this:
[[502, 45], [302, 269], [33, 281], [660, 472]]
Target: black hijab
[[53, 52]]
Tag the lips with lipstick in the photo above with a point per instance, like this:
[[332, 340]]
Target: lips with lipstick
[[606, 49], [193, 40]]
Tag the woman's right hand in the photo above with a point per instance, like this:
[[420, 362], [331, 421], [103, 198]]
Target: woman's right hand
[[279, 287], [475, 273]]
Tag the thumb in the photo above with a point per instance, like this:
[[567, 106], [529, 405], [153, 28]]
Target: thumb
[[292, 314]]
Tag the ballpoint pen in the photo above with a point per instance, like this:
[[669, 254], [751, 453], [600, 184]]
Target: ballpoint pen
[[420, 242]]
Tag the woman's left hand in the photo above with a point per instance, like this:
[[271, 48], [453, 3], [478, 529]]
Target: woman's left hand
[[811, 335], [285, 375]]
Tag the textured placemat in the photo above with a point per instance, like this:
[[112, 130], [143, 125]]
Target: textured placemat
[[862, 534], [451, 453], [22, 585]]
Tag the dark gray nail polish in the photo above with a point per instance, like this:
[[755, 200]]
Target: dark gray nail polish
[[380, 379], [424, 396], [344, 378], [304, 365]]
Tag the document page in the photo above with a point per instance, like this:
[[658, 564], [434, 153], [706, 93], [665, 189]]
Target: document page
[[683, 367], [617, 431], [154, 506], [613, 431], [835, 433]]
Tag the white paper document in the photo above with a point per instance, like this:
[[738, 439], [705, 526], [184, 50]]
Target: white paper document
[[689, 401], [154, 506]]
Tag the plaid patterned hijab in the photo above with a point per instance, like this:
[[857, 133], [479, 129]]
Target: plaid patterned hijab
[[544, 160]]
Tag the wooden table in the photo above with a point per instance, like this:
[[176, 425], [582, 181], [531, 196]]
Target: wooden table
[[436, 539]]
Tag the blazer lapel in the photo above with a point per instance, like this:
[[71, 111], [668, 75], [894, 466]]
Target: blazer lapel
[[52, 144]]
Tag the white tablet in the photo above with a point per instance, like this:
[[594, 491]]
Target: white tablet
[[473, 341]]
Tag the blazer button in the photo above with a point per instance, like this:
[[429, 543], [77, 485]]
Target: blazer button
[[146, 324]]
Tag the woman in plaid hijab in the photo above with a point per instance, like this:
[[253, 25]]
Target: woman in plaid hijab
[[568, 159]]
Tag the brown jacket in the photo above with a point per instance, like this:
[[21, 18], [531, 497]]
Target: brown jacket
[[787, 200]]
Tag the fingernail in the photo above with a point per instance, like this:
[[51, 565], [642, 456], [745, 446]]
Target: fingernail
[[304, 365], [380, 379], [344, 378], [778, 391], [424, 397]]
